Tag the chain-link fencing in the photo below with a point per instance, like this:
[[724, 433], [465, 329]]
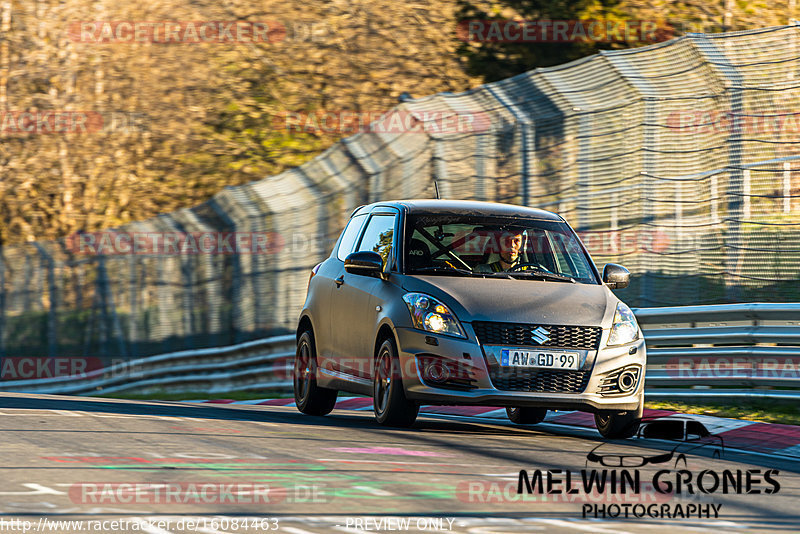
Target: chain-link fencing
[[678, 160]]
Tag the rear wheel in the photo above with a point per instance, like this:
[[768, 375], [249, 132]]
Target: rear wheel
[[389, 399], [617, 425], [526, 416], [308, 396]]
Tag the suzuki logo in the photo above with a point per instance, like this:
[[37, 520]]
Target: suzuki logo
[[540, 335]]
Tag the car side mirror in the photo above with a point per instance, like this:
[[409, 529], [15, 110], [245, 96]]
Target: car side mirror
[[366, 263], [616, 276]]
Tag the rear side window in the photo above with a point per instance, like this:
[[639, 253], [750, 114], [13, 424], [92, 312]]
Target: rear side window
[[349, 236], [378, 236]]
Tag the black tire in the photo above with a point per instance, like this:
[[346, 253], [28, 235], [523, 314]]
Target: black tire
[[308, 396], [526, 416], [617, 425], [388, 396]]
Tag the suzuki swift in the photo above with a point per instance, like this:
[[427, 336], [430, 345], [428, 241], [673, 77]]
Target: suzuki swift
[[468, 303]]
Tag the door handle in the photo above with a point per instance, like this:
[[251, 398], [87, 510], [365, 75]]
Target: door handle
[[339, 281]]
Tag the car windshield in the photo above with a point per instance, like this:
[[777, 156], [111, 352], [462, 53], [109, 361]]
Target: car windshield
[[453, 245]]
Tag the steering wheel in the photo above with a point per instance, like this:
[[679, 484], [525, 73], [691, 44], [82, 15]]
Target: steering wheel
[[538, 266]]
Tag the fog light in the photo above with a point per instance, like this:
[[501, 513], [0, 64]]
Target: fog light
[[620, 381], [436, 372], [439, 372], [626, 381]]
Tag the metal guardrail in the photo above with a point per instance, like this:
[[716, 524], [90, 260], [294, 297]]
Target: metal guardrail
[[259, 365], [719, 351], [724, 351]]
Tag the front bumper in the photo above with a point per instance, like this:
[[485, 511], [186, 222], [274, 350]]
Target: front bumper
[[474, 359]]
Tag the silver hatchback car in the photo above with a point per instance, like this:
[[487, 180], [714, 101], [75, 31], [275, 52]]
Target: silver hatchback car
[[468, 303]]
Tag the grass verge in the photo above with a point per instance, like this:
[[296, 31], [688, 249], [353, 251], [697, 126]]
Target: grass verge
[[763, 411]]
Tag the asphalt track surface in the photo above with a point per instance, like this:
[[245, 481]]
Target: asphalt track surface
[[88, 460]]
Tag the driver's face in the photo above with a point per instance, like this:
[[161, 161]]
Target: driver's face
[[510, 245]]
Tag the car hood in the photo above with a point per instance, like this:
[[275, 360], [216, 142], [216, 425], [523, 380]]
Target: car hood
[[519, 301]]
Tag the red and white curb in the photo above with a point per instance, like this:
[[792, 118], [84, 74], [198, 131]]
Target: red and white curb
[[751, 436]]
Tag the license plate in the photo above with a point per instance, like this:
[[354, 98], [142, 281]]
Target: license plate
[[543, 359]]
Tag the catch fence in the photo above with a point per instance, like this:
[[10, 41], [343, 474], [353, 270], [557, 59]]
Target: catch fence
[[678, 160]]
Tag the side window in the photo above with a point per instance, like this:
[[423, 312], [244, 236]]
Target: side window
[[566, 251], [349, 236], [539, 250], [378, 236], [696, 430]]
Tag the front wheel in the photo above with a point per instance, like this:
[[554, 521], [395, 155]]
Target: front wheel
[[617, 425], [308, 396], [389, 399], [526, 416]]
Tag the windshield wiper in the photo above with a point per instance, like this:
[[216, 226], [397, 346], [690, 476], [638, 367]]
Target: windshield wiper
[[443, 270], [498, 274], [544, 275]]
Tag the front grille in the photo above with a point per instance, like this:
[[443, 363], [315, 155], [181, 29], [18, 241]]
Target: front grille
[[538, 381], [522, 335]]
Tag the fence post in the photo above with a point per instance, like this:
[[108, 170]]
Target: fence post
[[2, 304], [736, 179], [480, 167], [787, 187], [525, 125], [52, 296], [646, 90], [746, 194], [134, 307]]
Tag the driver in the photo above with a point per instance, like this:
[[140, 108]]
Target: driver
[[511, 244]]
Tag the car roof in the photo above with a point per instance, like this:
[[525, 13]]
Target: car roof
[[464, 207]]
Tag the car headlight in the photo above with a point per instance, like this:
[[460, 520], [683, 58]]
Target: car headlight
[[624, 330], [429, 314]]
